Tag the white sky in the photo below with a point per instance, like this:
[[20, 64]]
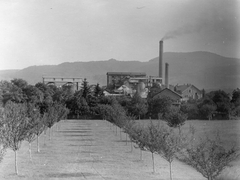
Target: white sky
[[44, 32]]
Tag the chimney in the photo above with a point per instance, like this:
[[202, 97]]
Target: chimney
[[160, 58], [166, 75]]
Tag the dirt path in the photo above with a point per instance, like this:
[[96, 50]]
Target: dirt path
[[87, 149]]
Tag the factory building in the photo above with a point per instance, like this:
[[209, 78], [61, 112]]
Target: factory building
[[138, 81]]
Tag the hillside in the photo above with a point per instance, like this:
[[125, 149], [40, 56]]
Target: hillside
[[203, 69]]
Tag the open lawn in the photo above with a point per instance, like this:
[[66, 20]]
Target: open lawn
[[90, 149], [228, 130]]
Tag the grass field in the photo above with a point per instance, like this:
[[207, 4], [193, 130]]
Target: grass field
[[90, 149], [228, 131]]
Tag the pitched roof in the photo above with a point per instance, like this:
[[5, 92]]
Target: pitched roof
[[167, 89], [184, 87]]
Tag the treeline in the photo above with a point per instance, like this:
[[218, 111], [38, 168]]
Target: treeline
[[86, 103], [214, 105]]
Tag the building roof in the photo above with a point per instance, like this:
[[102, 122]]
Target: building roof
[[169, 90], [127, 73], [184, 87]]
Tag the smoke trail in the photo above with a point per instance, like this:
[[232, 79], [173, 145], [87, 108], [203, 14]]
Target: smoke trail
[[187, 29]]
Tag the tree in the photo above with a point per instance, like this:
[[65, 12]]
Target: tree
[[207, 110], [39, 128], [19, 83], [236, 97], [85, 88], [97, 90], [176, 118], [16, 126], [154, 90], [168, 145], [209, 157], [11, 92], [203, 93], [50, 117], [159, 105], [33, 117], [136, 135], [222, 101], [83, 107], [32, 94], [125, 102], [138, 106], [2, 143], [47, 97], [236, 111], [62, 112], [191, 109], [152, 133]]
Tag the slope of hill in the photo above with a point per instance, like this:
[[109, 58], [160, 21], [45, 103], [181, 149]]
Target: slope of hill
[[203, 69]]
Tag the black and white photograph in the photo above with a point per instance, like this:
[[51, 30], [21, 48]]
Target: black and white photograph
[[119, 89]]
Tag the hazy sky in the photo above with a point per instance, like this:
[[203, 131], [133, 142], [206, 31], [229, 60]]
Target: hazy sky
[[44, 32]]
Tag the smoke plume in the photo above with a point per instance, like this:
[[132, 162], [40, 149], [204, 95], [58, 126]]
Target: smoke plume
[[187, 29]]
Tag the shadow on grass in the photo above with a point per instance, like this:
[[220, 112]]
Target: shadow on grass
[[81, 135], [79, 131], [80, 145], [80, 140], [88, 161], [69, 175], [124, 141]]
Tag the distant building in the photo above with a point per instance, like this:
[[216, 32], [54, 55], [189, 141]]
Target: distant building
[[188, 91], [117, 78], [74, 82], [107, 93], [171, 94]]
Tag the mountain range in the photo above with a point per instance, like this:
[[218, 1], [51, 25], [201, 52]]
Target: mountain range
[[202, 69]]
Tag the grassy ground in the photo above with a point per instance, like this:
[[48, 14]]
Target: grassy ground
[[88, 149], [228, 131]]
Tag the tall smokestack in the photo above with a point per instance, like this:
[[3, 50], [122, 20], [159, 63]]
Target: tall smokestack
[[160, 58], [166, 75]]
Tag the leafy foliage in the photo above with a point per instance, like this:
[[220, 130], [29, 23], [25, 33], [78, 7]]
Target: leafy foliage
[[138, 106], [85, 89], [207, 110], [16, 124], [175, 118], [97, 91], [159, 105]]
